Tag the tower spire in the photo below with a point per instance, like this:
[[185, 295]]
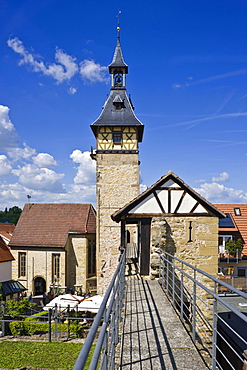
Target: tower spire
[[118, 25]]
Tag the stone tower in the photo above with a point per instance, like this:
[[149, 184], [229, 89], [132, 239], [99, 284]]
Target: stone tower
[[117, 132]]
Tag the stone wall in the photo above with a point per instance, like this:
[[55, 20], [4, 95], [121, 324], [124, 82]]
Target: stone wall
[[77, 260], [172, 234], [117, 184]]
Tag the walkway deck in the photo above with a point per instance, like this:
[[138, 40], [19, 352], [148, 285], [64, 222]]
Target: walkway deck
[[153, 336]]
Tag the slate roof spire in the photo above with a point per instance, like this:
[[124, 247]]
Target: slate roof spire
[[118, 110], [118, 60]]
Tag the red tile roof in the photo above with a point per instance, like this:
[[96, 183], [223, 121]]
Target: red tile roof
[[48, 225], [239, 221], [6, 228], [5, 254]]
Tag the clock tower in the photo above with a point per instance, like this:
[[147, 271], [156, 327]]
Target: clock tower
[[118, 133]]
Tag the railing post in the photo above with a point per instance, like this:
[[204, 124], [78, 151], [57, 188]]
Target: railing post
[[173, 285], [194, 310], [167, 276], [214, 339], [182, 293], [55, 324], [3, 322], [49, 324]]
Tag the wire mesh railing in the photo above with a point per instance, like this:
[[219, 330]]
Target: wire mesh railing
[[216, 321], [108, 318]]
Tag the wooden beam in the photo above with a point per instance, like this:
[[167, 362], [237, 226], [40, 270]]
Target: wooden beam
[[159, 202], [180, 202]]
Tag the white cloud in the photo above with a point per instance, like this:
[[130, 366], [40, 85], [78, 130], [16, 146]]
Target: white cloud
[[93, 72], [65, 67], [21, 153], [37, 178], [44, 160], [5, 167], [143, 188], [213, 78], [8, 134], [224, 176], [176, 86], [201, 180], [72, 90], [86, 170], [218, 193], [12, 194]]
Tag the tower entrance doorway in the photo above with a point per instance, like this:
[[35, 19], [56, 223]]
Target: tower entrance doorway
[[39, 286]]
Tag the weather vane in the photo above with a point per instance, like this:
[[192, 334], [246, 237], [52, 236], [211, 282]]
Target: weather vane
[[118, 24]]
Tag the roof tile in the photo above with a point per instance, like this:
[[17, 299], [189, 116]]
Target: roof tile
[[48, 225]]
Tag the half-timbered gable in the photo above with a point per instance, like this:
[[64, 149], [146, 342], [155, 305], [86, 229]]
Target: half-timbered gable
[[170, 215], [169, 196]]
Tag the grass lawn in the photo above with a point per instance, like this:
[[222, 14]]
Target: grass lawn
[[54, 355]]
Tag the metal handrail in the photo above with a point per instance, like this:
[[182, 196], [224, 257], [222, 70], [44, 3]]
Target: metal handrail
[[109, 316], [205, 313]]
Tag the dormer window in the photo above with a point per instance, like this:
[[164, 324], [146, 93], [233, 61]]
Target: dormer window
[[118, 106], [237, 211], [118, 102], [117, 137]]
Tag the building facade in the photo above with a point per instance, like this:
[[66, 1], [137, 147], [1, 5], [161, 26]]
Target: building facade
[[54, 248]]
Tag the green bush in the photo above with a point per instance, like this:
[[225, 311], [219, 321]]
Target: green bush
[[76, 329], [30, 328], [38, 316], [15, 308]]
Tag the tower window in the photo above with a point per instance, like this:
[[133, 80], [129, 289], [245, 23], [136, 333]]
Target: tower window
[[117, 137]]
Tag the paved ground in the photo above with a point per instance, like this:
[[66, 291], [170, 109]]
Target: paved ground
[[153, 336]]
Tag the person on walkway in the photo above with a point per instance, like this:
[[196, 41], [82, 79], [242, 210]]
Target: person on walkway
[[44, 299]]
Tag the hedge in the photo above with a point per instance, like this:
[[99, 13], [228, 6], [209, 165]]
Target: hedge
[[30, 328]]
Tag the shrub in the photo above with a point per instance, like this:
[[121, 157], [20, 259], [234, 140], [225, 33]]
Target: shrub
[[30, 328], [15, 308]]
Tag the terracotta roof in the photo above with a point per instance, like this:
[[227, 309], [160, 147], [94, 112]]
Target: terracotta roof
[[5, 254], [239, 221], [6, 228], [48, 225]]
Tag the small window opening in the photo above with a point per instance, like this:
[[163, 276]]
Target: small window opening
[[190, 232], [117, 137], [237, 211], [118, 105]]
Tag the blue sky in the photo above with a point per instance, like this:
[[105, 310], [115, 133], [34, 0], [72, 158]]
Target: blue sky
[[187, 79]]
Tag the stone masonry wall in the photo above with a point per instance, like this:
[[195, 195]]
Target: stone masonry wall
[[117, 184], [172, 235], [77, 260]]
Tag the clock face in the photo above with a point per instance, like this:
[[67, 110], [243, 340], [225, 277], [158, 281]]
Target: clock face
[[118, 80]]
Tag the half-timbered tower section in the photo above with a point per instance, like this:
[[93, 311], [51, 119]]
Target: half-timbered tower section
[[117, 132], [172, 216]]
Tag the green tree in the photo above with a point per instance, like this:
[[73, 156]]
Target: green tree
[[12, 215]]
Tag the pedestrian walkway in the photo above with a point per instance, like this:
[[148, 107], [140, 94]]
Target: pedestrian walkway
[[153, 337]]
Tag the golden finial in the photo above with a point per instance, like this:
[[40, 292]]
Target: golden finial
[[118, 24]]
